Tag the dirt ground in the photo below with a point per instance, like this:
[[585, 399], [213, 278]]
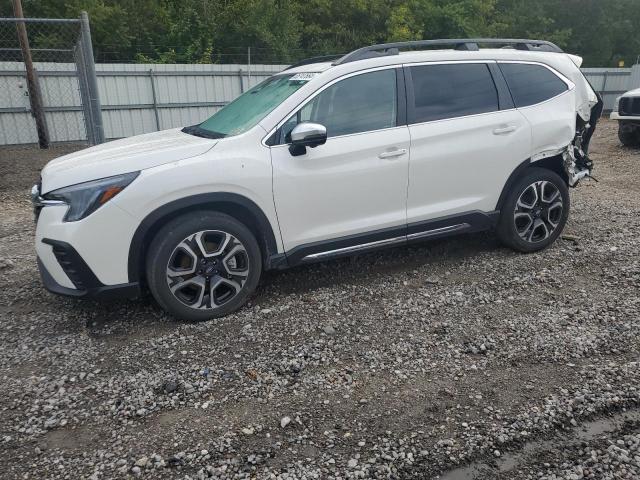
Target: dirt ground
[[455, 359]]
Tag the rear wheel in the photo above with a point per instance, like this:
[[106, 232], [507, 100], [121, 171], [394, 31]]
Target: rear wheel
[[535, 211], [203, 265], [629, 136]]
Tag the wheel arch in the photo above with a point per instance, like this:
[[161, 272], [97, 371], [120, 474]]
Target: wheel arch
[[555, 164], [232, 204]]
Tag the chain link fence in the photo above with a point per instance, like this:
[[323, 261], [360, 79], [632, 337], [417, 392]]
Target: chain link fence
[[48, 90]]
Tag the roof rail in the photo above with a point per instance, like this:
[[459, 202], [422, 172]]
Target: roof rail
[[472, 44], [307, 61]]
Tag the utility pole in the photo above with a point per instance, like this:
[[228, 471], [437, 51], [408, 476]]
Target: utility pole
[[35, 97]]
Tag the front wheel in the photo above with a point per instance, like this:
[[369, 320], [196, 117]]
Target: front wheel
[[203, 265], [535, 211]]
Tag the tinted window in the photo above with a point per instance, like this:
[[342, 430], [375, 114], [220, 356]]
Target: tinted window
[[446, 91], [531, 84], [357, 104]]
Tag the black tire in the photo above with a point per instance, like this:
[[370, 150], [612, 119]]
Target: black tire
[[513, 217], [176, 242], [629, 137]]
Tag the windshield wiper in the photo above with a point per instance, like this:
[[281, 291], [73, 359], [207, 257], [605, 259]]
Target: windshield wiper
[[198, 131]]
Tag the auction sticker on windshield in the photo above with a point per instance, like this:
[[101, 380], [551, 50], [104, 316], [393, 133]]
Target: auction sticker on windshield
[[303, 76]]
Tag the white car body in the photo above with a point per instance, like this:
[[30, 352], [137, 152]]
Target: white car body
[[407, 175]]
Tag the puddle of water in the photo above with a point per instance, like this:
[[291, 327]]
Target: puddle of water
[[585, 432], [67, 439], [593, 429]]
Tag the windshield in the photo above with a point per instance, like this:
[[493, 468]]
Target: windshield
[[250, 107]]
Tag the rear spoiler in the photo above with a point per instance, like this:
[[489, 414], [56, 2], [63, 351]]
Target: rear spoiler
[[575, 59]]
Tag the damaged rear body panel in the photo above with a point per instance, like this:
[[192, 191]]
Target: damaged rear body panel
[[563, 126], [577, 163]]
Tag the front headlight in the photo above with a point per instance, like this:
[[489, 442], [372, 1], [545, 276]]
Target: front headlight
[[616, 105], [85, 198]]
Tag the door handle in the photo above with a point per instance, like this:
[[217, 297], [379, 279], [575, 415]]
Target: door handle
[[504, 130], [393, 153]]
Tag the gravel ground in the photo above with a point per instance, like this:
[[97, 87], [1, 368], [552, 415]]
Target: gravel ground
[[456, 359]]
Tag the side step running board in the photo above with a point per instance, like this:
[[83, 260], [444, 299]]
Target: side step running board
[[384, 243], [355, 248]]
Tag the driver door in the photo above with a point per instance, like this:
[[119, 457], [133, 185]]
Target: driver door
[[351, 190]]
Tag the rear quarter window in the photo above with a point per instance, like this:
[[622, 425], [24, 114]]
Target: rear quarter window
[[531, 84]]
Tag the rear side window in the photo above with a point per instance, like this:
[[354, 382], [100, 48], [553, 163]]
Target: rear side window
[[447, 91], [361, 103], [531, 84]]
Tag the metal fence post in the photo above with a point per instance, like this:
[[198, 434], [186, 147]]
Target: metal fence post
[[634, 79], [241, 81], [92, 83], [84, 91], [155, 99], [604, 83], [248, 68]]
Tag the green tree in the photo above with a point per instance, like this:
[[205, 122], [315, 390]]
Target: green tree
[[602, 31]]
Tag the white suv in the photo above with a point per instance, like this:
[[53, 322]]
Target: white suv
[[376, 148]]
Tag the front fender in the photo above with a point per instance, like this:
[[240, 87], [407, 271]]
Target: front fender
[[156, 219]]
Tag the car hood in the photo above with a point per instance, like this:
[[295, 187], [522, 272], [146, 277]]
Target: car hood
[[122, 156], [632, 93]]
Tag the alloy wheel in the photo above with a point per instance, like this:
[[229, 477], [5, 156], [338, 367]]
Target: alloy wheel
[[538, 211], [207, 269]]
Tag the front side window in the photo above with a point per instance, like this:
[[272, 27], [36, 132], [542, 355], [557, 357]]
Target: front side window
[[361, 103], [252, 106], [531, 84], [448, 91]]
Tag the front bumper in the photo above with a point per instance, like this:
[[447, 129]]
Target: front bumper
[[85, 282], [102, 240], [624, 118], [86, 258]]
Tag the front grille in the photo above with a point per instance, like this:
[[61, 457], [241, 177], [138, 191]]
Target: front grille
[[36, 199], [36, 212], [629, 106]]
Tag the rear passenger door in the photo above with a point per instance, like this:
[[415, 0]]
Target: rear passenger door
[[542, 96], [466, 139]]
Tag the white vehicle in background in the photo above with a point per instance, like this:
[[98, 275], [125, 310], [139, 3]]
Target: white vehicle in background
[[627, 113], [386, 145]]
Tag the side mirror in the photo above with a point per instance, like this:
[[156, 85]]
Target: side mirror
[[307, 134]]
